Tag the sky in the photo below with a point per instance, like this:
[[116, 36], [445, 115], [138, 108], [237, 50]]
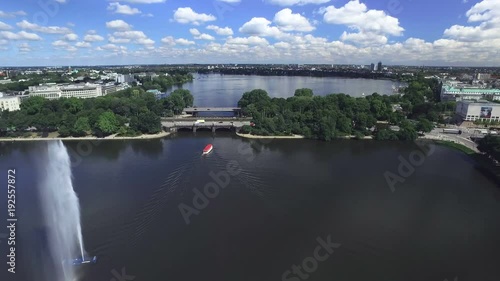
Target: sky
[[108, 32]]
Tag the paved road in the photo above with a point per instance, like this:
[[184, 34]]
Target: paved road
[[463, 139]]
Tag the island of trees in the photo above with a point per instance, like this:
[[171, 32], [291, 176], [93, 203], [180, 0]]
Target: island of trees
[[339, 115], [126, 113]]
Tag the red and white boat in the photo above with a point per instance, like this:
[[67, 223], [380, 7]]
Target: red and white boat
[[208, 149]]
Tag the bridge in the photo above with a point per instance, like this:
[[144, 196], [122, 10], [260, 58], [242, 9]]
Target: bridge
[[174, 126], [195, 110]]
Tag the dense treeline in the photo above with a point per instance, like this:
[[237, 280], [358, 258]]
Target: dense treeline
[[265, 71], [491, 146], [338, 115], [164, 82], [129, 112]]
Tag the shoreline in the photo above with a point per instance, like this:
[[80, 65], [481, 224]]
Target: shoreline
[[249, 136], [111, 137]]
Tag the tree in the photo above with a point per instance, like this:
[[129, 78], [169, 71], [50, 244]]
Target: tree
[[33, 105], [304, 93], [81, 127], [424, 125], [107, 123], [407, 131], [147, 123]]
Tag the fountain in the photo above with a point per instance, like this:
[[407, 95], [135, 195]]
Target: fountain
[[61, 210]]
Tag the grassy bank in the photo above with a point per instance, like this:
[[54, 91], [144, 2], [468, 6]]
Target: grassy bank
[[456, 146]]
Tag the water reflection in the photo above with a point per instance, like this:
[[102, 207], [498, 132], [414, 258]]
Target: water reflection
[[150, 148]]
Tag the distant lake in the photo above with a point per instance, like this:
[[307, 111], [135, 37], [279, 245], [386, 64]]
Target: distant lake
[[226, 90]]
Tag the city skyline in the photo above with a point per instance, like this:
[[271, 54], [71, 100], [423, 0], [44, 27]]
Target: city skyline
[[129, 32]]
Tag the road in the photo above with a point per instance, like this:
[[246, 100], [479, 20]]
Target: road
[[463, 139]]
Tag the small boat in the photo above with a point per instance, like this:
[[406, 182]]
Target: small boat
[[208, 149]]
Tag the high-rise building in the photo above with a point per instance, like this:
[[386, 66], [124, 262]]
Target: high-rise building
[[372, 67], [379, 66]]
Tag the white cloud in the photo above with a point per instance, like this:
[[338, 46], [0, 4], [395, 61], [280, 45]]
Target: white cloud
[[372, 25], [83, 45], [118, 25], [296, 2], [135, 36], [24, 48], [22, 35], [4, 26], [252, 40], [60, 43], [112, 47], [487, 14], [260, 27], [71, 37], [115, 40], [122, 9], [230, 1], [12, 14], [61, 1], [43, 29], [224, 31], [187, 15], [184, 42], [200, 36], [169, 40], [92, 38], [194, 32], [288, 21]]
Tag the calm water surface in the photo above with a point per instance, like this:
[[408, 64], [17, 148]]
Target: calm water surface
[[226, 90], [440, 223]]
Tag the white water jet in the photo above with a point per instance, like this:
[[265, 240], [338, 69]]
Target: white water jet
[[61, 210]]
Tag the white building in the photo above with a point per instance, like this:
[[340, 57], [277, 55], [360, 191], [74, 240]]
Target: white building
[[109, 88], [478, 110], [127, 78], [10, 103], [451, 93], [84, 91]]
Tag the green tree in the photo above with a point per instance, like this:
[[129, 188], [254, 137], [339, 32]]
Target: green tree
[[424, 125], [81, 127], [304, 93], [107, 123], [147, 123]]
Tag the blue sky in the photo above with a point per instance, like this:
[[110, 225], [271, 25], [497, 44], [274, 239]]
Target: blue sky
[[413, 32]]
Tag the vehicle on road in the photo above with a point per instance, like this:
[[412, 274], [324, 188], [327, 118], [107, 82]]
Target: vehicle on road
[[452, 131]]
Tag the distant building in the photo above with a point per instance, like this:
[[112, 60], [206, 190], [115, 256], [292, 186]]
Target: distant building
[[483, 76], [379, 66], [111, 88], [372, 67], [478, 110], [125, 78], [451, 93], [10, 103], [58, 91]]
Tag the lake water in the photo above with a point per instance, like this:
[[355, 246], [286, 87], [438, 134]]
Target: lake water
[[440, 223], [226, 90]]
